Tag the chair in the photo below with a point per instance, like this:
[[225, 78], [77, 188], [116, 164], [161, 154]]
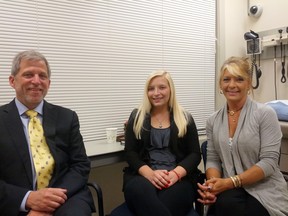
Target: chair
[[204, 152], [199, 207], [204, 210], [98, 190]]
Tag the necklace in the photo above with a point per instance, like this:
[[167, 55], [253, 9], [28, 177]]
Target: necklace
[[160, 122], [162, 117], [232, 113]]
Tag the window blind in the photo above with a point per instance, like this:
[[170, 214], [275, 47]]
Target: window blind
[[101, 53]]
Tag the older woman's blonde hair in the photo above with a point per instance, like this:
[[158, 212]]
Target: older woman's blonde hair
[[179, 114], [238, 67]]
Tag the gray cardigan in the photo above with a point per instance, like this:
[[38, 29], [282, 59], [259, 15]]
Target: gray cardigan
[[257, 140]]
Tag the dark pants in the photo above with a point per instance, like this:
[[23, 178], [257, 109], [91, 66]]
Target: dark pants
[[238, 202], [144, 199], [74, 206]]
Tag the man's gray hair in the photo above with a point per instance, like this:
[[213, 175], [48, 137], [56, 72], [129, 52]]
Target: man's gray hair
[[28, 55]]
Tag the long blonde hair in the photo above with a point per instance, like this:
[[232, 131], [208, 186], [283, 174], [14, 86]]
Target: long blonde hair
[[179, 114]]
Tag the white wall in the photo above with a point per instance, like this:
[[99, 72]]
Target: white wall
[[233, 21]]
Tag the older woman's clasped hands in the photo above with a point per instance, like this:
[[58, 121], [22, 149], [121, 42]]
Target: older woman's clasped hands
[[209, 190]]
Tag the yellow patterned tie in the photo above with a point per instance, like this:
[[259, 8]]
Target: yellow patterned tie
[[42, 158]]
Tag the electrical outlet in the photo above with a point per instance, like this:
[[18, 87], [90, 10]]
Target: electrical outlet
[[253, 46]]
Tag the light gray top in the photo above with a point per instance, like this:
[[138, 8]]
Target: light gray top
[[257, 140]]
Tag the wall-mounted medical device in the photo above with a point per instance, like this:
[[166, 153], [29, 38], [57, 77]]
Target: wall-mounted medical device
[[253, 43], [272, 45], [253, 47], [274, 39]]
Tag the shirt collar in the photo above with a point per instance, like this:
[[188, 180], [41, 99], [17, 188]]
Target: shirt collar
[[22, 108]]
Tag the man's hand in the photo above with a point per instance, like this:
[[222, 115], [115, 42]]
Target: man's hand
[[46, 200]]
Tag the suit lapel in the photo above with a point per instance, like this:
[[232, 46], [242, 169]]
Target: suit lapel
[[50, 116], [15, 128], [49, 122]]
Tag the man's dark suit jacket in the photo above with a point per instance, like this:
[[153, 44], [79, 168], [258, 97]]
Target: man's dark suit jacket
[[72, 167]]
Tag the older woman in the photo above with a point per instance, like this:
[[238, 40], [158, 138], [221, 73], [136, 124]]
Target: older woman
[[244, 139]]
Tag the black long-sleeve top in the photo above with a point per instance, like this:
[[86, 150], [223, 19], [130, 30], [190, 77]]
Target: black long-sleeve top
[[186, 148]]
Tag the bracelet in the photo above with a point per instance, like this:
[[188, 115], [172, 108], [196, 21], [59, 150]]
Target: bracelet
[[233, 180], [177, 174], [239, 180], [236, 181]]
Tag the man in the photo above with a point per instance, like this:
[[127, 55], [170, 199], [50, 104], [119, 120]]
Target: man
[[66, 192]]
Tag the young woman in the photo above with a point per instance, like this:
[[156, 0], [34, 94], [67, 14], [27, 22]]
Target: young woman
[[162, 151]]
